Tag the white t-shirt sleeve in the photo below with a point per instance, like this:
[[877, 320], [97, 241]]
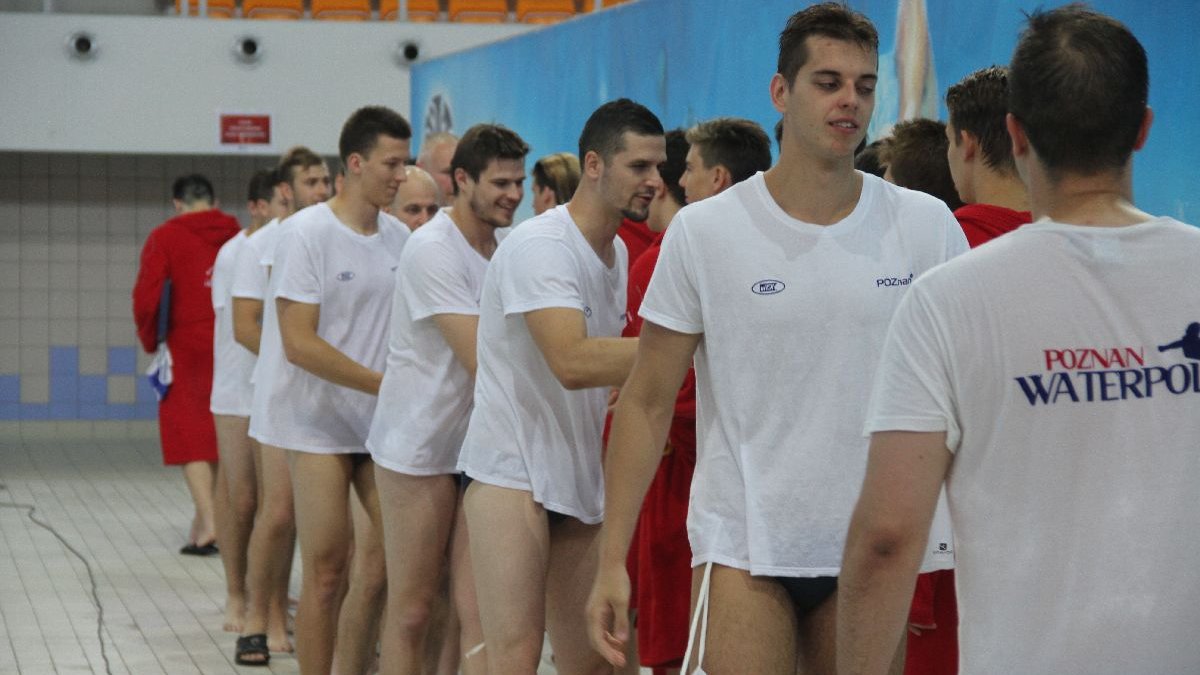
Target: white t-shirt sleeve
[[435, 283], [540, 273], [300, 275], [249, 276], [912, 389], [672, 299], [956, 239]]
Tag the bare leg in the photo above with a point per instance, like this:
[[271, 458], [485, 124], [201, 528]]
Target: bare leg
[[751, 624], [418, 512], [573, 558], [508, 531], [362, 608], [817, 651], [269, 559], [321, 518], [238, 491], [201, 480], [473, 661]]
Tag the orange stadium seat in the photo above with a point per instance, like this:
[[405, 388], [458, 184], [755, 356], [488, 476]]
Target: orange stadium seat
[[478, 11], [217, 9], [544, 11], [422, 11], [273, 9], [341, 10]]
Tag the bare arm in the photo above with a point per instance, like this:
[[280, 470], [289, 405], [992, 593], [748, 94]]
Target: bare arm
[[459, 331], [307, 350], [639, 431], [885, 544], [247, 322], [579, 361]]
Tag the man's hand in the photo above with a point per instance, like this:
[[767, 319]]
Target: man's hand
[[608, 614]]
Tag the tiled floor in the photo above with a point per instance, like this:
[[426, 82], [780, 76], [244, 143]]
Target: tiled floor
[[126, 515]]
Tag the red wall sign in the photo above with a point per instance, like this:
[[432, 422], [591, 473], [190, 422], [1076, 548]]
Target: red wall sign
[[245, 129]]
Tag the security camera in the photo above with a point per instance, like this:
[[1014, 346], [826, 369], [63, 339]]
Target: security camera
[[247, 49], [407, 52], [81, 45]]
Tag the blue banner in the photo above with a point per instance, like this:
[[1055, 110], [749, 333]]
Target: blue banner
[[691, 60]]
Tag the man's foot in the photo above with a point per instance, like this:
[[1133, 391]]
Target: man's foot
[[280, 644], [235, 614], [252, 650], [200, 549]]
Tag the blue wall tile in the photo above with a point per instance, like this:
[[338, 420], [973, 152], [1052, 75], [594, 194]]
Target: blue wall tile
[[10, 388], [64, 387], [122, 360], [10, 411], [35, 411], [145, 410], [64, 360], [93, 411], [143, 392], [93, 388], [64, 410], [120, 411]]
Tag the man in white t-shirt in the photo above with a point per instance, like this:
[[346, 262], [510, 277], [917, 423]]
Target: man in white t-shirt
[[229, 403], [426, 396], [1036, 376], [780, 287], [303, 181], [335, 271], [551, 312], [418, 200]]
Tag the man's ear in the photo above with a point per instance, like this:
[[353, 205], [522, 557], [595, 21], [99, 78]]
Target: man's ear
[[593, 164], [969, 143], [1144, 130], [1020, 142], [722, 179]]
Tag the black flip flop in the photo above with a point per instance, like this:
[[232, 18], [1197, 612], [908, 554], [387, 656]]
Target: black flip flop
[[252, 645], [201, 550]]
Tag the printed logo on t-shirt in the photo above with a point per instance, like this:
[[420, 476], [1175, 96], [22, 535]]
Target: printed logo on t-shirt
[[768, 287], [587, 311], [1091, 374], [345, 276], [883, 282]]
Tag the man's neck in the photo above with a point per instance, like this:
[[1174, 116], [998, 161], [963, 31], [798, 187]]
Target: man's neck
[[1001, 190], [1103, 200], [597, 221], [195, 207], [355, 211], [814, 190], [254, 226], [480, 235], [662, 216]]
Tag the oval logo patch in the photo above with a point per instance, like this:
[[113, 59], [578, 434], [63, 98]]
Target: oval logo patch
[[768, 287], [345, 276]]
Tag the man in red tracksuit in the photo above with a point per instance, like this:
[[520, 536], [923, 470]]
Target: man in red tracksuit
[[182, 251], [980, 157], [707, 159]]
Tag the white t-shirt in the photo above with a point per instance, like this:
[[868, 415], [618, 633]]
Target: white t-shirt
[[425, 398], [249, 275], [527, 432], [793, 317], [1064, 364], [321, 261], [232, 363]]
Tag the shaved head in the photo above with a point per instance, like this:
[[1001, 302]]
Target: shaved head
[[418, 198]]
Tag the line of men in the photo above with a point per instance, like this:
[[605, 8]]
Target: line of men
[[447, 383]]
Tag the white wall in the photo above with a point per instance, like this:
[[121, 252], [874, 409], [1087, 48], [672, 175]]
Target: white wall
[[156, 84]]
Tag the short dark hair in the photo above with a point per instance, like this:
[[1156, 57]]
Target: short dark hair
[[604, 130], [870, 159], [827, 19], [483, 143], [978, 104], [1078, 84], [916, 156], [559, 172], [262, 185], [672, 170], [295, 160], [739, 145], [363, 128], [193, 188]]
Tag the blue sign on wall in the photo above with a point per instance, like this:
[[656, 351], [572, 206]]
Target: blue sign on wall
[[690, 61]]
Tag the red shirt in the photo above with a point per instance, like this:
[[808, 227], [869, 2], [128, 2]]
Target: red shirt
[[637, 237], [984, 222]]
